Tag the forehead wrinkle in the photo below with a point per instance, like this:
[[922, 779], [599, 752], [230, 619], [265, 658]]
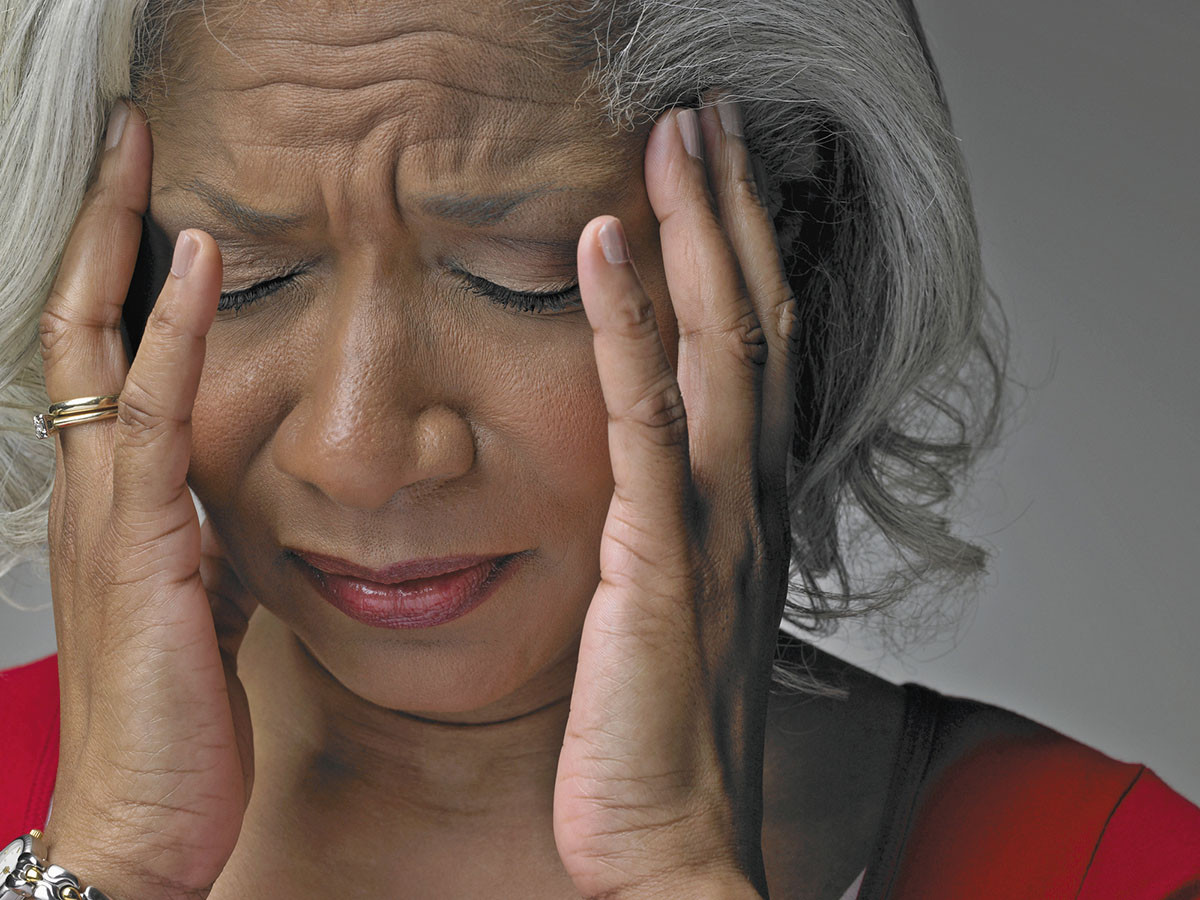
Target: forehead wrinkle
[[271, 38], [359, 24], [440, 107], [388, 82], [420, 110], [483, 66], [422, 71]]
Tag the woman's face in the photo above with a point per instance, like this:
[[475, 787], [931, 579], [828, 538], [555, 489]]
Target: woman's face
[[380, 405]]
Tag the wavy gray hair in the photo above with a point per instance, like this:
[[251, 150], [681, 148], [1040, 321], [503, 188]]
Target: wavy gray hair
[[900, 384]]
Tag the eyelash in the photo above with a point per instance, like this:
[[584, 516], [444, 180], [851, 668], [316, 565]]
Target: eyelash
[[232, 301], [524, 301], [538, 302]]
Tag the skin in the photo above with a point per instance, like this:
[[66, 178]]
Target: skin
[[378, 410]]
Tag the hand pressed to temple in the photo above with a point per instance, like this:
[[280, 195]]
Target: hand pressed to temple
[[156, 758], [659, 782]]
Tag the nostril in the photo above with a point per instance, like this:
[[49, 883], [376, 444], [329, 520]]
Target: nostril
[[366, 463], [447, 441]]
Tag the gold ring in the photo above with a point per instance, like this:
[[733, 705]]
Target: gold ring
[[74, 412]]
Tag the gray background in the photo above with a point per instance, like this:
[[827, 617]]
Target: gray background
[[1080, 123]]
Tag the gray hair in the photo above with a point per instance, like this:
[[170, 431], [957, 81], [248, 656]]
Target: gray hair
[[901, 377]]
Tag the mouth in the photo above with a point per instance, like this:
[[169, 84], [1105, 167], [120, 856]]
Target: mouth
[[416, 594]]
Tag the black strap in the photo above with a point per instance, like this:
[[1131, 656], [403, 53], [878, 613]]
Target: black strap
[[921, 715]]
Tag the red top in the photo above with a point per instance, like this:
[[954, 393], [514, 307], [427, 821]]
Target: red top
[[1028, 814], [29, 759]]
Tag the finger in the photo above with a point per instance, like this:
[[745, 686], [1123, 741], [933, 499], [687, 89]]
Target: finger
[[721, 347], [647, 426], [82, 351], [752, 235], [153, 436]]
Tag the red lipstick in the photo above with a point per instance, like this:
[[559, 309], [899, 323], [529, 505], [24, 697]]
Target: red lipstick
[[416, 594]]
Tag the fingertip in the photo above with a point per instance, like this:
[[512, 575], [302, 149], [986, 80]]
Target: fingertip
[[187, 245], [613, 245], [602, 244], [125, 158], [659, 145], [117, 118], [588, 239], [195, 277], [677, 158], [195, 253], [715, 130]]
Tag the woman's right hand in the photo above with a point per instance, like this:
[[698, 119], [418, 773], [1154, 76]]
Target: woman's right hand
[[156, 757]]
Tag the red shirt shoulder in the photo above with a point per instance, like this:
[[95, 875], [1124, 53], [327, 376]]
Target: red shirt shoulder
[[1150, 847], [1010, 808], [28, 700]]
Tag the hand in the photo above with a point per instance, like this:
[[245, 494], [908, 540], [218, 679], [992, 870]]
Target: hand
[[659, 787], [155, 765]]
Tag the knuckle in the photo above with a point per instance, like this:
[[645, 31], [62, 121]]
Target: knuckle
[[658, 410], [52, 326], [164, 321], [634, 318], [784, 312], [139, 419], [743, 339], [749, 339], [740, 188]]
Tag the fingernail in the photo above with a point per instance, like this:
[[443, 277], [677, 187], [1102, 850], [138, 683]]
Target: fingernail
[[612, 242], [731, 117], [116, 124], [185, 252], [689, 130]]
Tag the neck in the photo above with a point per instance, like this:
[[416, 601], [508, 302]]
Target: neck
[[317, 743], [473, 798]]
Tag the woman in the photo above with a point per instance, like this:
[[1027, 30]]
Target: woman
[[513, 353]]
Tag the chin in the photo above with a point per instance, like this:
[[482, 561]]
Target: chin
[[481, 685], [514, 653], [463, 675]]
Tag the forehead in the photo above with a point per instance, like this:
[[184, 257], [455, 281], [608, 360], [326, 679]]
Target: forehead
[[399, 97]]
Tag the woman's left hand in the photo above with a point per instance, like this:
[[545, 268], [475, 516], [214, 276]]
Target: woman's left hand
[[659, 787]]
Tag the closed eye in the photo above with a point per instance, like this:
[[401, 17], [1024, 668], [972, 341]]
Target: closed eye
[[232, 301], [524, 301]]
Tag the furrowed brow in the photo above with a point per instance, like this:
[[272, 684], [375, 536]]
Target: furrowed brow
[[245, 220], [469, 210], [477, 212]]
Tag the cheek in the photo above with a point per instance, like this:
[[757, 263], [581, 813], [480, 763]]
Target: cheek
[[545, 410], [529, 389], [243, 394]]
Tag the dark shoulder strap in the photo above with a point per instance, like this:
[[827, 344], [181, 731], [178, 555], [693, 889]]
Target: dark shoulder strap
[[921, 713], [985, 802]]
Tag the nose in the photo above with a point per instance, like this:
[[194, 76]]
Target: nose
[[373, 420]]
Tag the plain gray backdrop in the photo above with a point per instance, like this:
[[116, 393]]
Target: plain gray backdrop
[[1080, 123]]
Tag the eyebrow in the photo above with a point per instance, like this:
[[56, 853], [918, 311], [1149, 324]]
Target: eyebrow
[[473, 211], [246, 220], [479, 211]]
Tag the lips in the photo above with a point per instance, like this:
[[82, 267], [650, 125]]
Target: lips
[[417, 594], [394, 574]]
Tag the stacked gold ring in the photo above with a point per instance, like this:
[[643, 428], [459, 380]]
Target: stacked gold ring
[[74, 412]]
